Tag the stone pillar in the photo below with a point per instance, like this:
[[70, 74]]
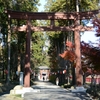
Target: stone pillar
[[21, 78]]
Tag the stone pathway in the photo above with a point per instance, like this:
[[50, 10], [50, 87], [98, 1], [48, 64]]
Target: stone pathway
[[49, 91]]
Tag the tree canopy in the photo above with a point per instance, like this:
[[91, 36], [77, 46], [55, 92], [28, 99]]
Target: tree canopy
[[18, 39], [57, 40]]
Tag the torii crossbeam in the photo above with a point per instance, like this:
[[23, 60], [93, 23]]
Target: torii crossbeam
[[52, 16]]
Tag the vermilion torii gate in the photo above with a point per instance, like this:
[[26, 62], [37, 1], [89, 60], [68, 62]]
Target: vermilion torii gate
[[28, 16]]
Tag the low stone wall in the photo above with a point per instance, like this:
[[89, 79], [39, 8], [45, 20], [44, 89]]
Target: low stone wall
[[19, 89]]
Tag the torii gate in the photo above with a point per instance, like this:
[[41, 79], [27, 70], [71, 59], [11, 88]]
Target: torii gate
[[52, 16]]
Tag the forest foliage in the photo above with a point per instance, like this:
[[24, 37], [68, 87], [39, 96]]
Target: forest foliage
[[57, 40], [18, 39]]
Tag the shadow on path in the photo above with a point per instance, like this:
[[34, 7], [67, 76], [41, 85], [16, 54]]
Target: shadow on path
[[49, 91]]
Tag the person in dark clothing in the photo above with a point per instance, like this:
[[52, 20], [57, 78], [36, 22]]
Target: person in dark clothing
[[43, 78]]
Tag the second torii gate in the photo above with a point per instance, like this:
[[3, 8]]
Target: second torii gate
[[52, 16]]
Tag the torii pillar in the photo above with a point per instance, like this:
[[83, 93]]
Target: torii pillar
[[27, 56], [78, 67]]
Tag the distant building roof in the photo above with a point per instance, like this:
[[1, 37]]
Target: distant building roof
[[43, 67]]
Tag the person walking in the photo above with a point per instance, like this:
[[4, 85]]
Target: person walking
[[57, 81]]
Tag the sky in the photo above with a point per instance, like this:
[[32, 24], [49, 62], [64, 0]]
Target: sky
[[89, 35], [41, 8], [86, 37]]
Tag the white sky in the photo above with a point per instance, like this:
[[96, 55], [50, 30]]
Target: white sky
[[41, 8], [89, 36], [86, 37]]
